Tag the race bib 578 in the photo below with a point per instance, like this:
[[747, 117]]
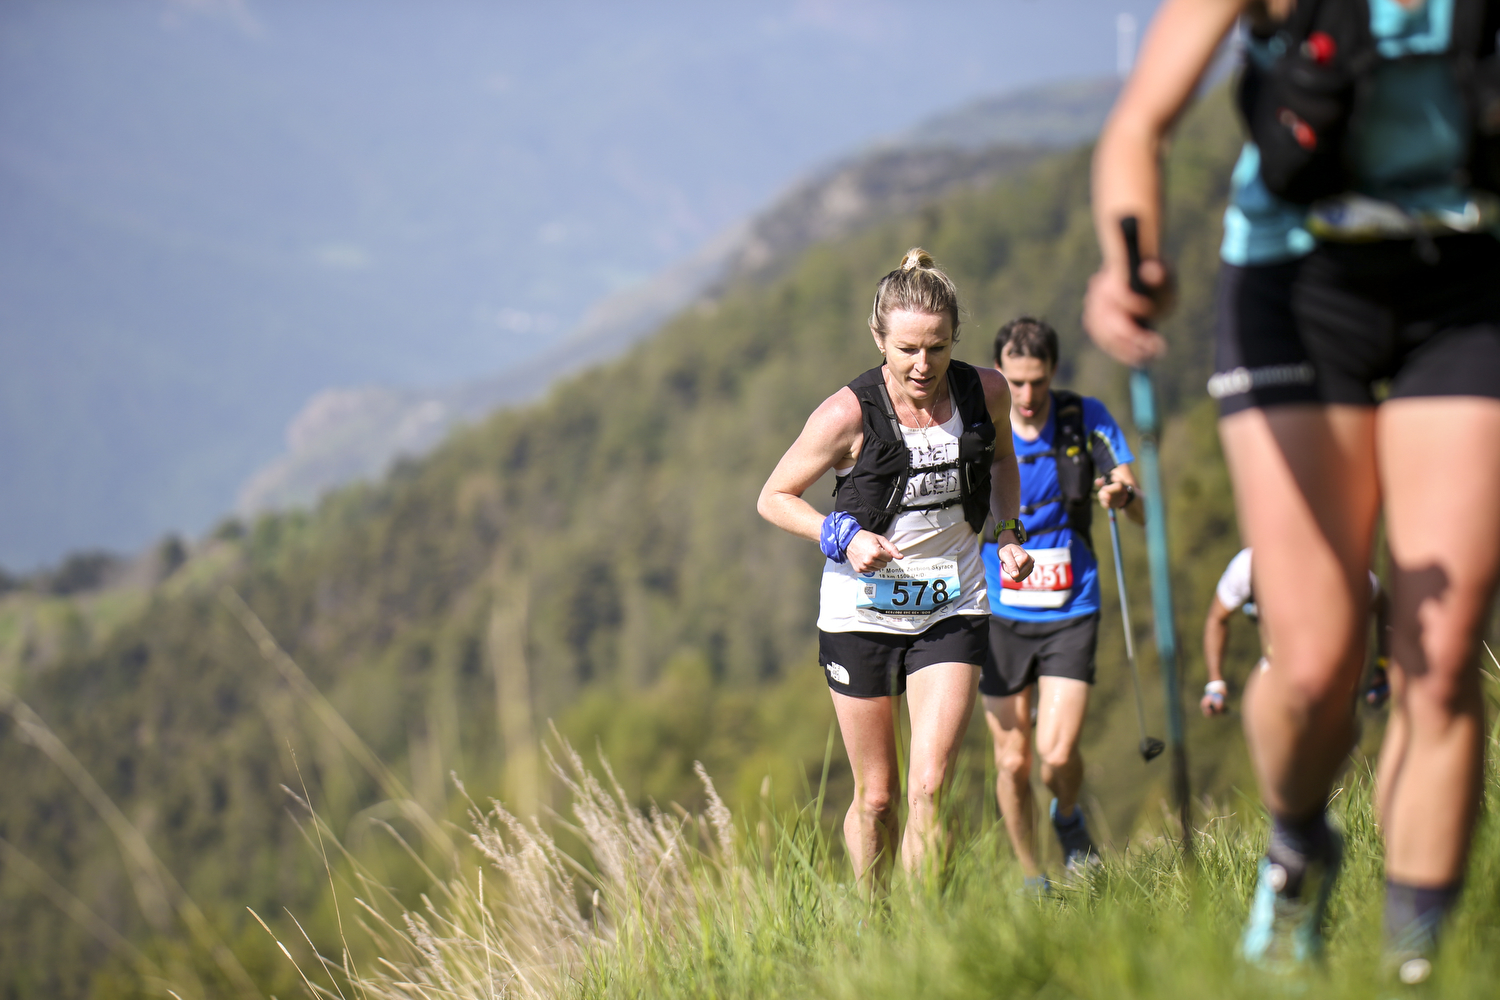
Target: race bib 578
[[909, 588]]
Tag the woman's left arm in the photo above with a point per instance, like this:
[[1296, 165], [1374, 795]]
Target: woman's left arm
[[1005, 474]]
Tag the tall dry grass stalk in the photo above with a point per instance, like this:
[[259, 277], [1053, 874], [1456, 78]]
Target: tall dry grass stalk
[[157, 890], [530, 918]]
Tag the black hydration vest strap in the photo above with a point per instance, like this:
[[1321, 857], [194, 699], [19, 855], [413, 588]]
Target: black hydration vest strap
[[976, 442], [1077, 462], [890, 412], [1032, 508]]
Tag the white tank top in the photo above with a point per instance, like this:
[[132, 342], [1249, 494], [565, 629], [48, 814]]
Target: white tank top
[[942, 553]]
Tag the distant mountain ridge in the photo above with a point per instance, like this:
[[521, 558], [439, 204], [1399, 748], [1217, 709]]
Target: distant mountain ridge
[[345, 434]]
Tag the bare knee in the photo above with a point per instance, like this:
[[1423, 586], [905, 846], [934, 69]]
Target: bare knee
[[1013, 759], [1315, 680], [1443, 692], [877, 804], [924, 784], [1060, 758], [1438, 666]]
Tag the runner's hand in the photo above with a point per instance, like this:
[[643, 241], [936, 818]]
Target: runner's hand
[[1113, 494], [1215, 695], [868, 552], [1112, 313], [1016, 562]]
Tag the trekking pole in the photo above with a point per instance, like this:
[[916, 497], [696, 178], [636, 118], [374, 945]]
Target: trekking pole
[[1148, 425], [1151, 747]]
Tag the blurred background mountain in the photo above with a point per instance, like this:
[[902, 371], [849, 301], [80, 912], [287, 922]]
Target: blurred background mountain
[[215, 210]]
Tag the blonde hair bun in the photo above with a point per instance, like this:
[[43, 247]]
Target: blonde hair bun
[[916, 257], [917, 285]]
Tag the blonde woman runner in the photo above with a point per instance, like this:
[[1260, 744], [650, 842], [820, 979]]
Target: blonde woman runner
[[922, 449]]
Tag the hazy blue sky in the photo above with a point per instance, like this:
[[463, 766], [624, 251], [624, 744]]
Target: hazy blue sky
[[214, 209]]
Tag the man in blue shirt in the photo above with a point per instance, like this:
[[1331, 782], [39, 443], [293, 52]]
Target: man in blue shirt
[[1043, 631]]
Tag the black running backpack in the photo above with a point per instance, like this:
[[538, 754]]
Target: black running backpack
[[1298, 109], [1080, 460]]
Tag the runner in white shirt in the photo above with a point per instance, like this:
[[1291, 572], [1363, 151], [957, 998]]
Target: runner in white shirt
[[922, 449], [1236, 593]]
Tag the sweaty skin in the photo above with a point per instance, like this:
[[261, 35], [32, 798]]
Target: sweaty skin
[[917, 348]]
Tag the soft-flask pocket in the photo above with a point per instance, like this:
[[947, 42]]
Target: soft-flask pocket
[[1297, 111]]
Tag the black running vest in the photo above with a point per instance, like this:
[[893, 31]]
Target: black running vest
[[1079, 461], [872, 491], [1298, 109]]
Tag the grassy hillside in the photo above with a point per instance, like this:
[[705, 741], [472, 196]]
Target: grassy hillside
[[594, 560], [693, 906]]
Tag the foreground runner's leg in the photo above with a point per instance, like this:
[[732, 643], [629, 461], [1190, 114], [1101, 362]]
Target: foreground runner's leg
[[942, 701], [1009, 719], [1307, 497], [1062, 703], [1440, 468], [872, 825]]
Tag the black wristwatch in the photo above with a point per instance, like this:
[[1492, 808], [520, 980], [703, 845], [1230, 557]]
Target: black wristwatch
[[1014, 524]]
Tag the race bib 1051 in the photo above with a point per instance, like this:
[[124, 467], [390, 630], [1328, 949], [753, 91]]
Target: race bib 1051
[[1049, 585], [909, 588]]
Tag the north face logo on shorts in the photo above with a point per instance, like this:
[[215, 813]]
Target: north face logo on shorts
[[837, 672]]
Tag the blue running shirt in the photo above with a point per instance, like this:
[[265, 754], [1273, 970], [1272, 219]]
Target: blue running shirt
[[1045, 526]]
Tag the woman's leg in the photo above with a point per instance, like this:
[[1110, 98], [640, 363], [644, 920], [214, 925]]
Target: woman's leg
[[1440, 468], [871, 826], [1307, 497], [941, 699], [1009, 719]]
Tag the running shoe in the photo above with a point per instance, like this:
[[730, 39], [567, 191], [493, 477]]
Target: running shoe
[[1285, 933], [1408, 957], [1073, 833]]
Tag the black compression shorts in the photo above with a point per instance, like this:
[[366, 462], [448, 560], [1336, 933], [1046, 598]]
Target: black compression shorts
[[1020, 652], [875, 664], [1350, 322]]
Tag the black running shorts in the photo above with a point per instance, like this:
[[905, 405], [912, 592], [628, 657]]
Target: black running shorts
[[875, 664], [1351, 322], [1020, 652]]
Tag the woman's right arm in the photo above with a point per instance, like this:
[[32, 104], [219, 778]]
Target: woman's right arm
[[827, 440], [1178, 48]]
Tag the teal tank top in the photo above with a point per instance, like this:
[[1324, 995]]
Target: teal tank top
[[1405, 148]]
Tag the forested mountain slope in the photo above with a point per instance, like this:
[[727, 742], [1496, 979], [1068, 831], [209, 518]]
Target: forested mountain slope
[[594, 559]]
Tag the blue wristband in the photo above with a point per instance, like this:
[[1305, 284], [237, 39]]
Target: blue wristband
[[839, 529]]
